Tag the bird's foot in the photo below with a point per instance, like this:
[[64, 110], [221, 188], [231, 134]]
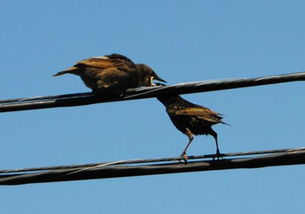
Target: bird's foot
[[217, 155], [183, 157]]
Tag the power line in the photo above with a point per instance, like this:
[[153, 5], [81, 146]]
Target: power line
[[78, 99], [152, 167], [154, 160]]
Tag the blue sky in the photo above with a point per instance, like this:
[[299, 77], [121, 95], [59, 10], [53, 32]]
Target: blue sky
[[183, 41]]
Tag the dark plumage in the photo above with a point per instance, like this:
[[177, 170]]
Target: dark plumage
[[113, 71], [191, 119]]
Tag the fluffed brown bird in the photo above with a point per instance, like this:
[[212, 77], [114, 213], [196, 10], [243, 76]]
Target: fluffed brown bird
[[115, 72], [191, 119]]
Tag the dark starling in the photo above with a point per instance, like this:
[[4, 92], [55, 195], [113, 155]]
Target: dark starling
[[115, 72], [191, 119]]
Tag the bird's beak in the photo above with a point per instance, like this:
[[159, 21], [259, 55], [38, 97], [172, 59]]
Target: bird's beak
[[156, 77]]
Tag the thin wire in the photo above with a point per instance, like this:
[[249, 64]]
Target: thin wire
[[155, 160], [290, 157], [199, 157]]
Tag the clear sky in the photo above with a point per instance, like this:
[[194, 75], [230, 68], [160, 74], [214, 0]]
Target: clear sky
[[183, 41]]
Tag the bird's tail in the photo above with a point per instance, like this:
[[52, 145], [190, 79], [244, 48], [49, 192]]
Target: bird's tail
[[220, 116], [71, 70], [224, 123]]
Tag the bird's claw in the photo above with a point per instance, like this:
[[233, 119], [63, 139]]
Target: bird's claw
[[217, 155], [184, 157]]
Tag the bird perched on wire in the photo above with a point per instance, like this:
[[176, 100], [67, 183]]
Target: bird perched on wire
[[114, 72], [191, 119]]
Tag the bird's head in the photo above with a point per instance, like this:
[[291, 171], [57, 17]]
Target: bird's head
[[146, 75]]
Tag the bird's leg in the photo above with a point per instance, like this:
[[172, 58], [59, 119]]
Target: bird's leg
[[190, 136], [214, 134]]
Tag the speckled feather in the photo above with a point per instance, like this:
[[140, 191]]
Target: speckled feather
[[186, 115]]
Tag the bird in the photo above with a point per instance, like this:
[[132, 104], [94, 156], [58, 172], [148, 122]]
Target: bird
[[191, 119], [114, 72]]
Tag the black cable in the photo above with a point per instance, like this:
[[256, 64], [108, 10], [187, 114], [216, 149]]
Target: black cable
[[288, 157], [78, 99], [154, 160], [45, 97]]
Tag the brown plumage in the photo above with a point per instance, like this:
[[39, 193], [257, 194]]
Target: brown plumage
[[191, 119], [113, 71]]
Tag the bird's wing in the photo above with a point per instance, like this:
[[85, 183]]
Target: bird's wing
[[95, 62], [205, 113], [117, 61]]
